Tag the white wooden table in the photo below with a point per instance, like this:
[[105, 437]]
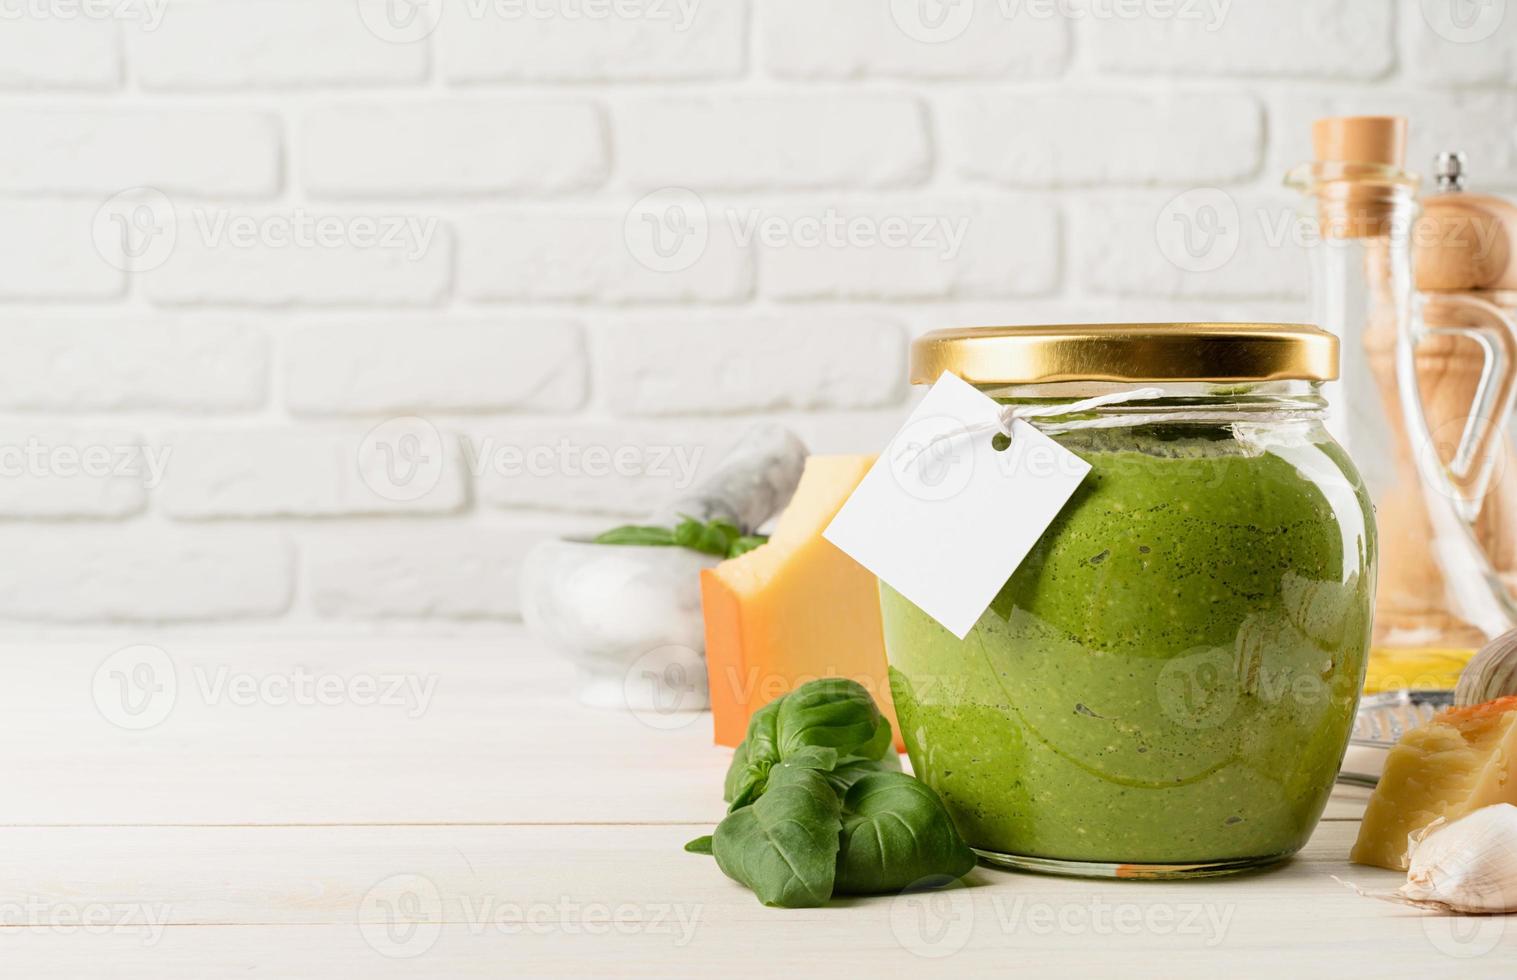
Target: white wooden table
[[505, 830]]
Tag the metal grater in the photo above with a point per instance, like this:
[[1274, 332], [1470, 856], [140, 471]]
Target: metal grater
[[1382, 720]]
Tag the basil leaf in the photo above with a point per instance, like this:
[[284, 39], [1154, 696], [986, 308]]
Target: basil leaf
[[896, 832], [746, 543], [714, 537], [751, 780], [753, 759], [817, 757], [637, 534], [785, 846], [726, 530], [819, 805], [833, 712], [882, 745], [853, 768], [738, 773]]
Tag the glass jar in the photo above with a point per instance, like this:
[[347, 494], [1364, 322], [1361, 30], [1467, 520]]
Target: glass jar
[[1427, 383], [1166, 685]]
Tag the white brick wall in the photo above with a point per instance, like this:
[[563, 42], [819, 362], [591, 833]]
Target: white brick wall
[[51, 471], [906, 249], [583, 257], [861, 38], [461, 145], [59, 54], [721, 364], [49, 253], [293, 472], [239, 44], [86, 149], [826, 139], [108, 361], [1323, 39], [75, 573], [1116, 253], [1062, 138], [591, 467], [700, 40], [259, 256], [431, 364], [313, 316], [413, 572]]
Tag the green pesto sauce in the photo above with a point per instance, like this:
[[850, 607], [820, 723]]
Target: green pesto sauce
[[1171, 674]]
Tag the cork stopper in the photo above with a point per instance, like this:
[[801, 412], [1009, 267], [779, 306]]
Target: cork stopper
[[1360, 139], [1465, 242], [1361, 189]]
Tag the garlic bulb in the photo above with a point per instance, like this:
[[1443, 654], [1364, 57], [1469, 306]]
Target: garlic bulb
[[1469, 865], [1491, 675]]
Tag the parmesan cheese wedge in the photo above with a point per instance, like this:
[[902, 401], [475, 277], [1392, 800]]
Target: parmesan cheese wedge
[[1461, 760]]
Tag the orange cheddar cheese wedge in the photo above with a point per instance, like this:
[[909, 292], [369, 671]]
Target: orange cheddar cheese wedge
[[793, 609]]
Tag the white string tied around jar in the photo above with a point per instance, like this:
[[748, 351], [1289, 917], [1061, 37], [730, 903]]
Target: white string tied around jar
[[1010, 414]]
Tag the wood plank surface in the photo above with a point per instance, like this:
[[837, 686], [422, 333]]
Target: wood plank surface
[[501, 829]]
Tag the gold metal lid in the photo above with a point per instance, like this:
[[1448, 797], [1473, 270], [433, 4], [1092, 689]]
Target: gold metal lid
[[1127, 352]]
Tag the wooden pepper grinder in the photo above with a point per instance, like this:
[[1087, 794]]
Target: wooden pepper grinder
[[1466, 245]]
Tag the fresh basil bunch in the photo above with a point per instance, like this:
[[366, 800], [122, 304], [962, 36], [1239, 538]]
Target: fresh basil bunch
[[715, 537], [819, 806]]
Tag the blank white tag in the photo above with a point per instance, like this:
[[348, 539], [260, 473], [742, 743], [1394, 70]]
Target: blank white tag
[[942, 517]]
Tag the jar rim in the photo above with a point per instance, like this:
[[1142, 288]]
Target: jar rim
[[1217, 352]]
